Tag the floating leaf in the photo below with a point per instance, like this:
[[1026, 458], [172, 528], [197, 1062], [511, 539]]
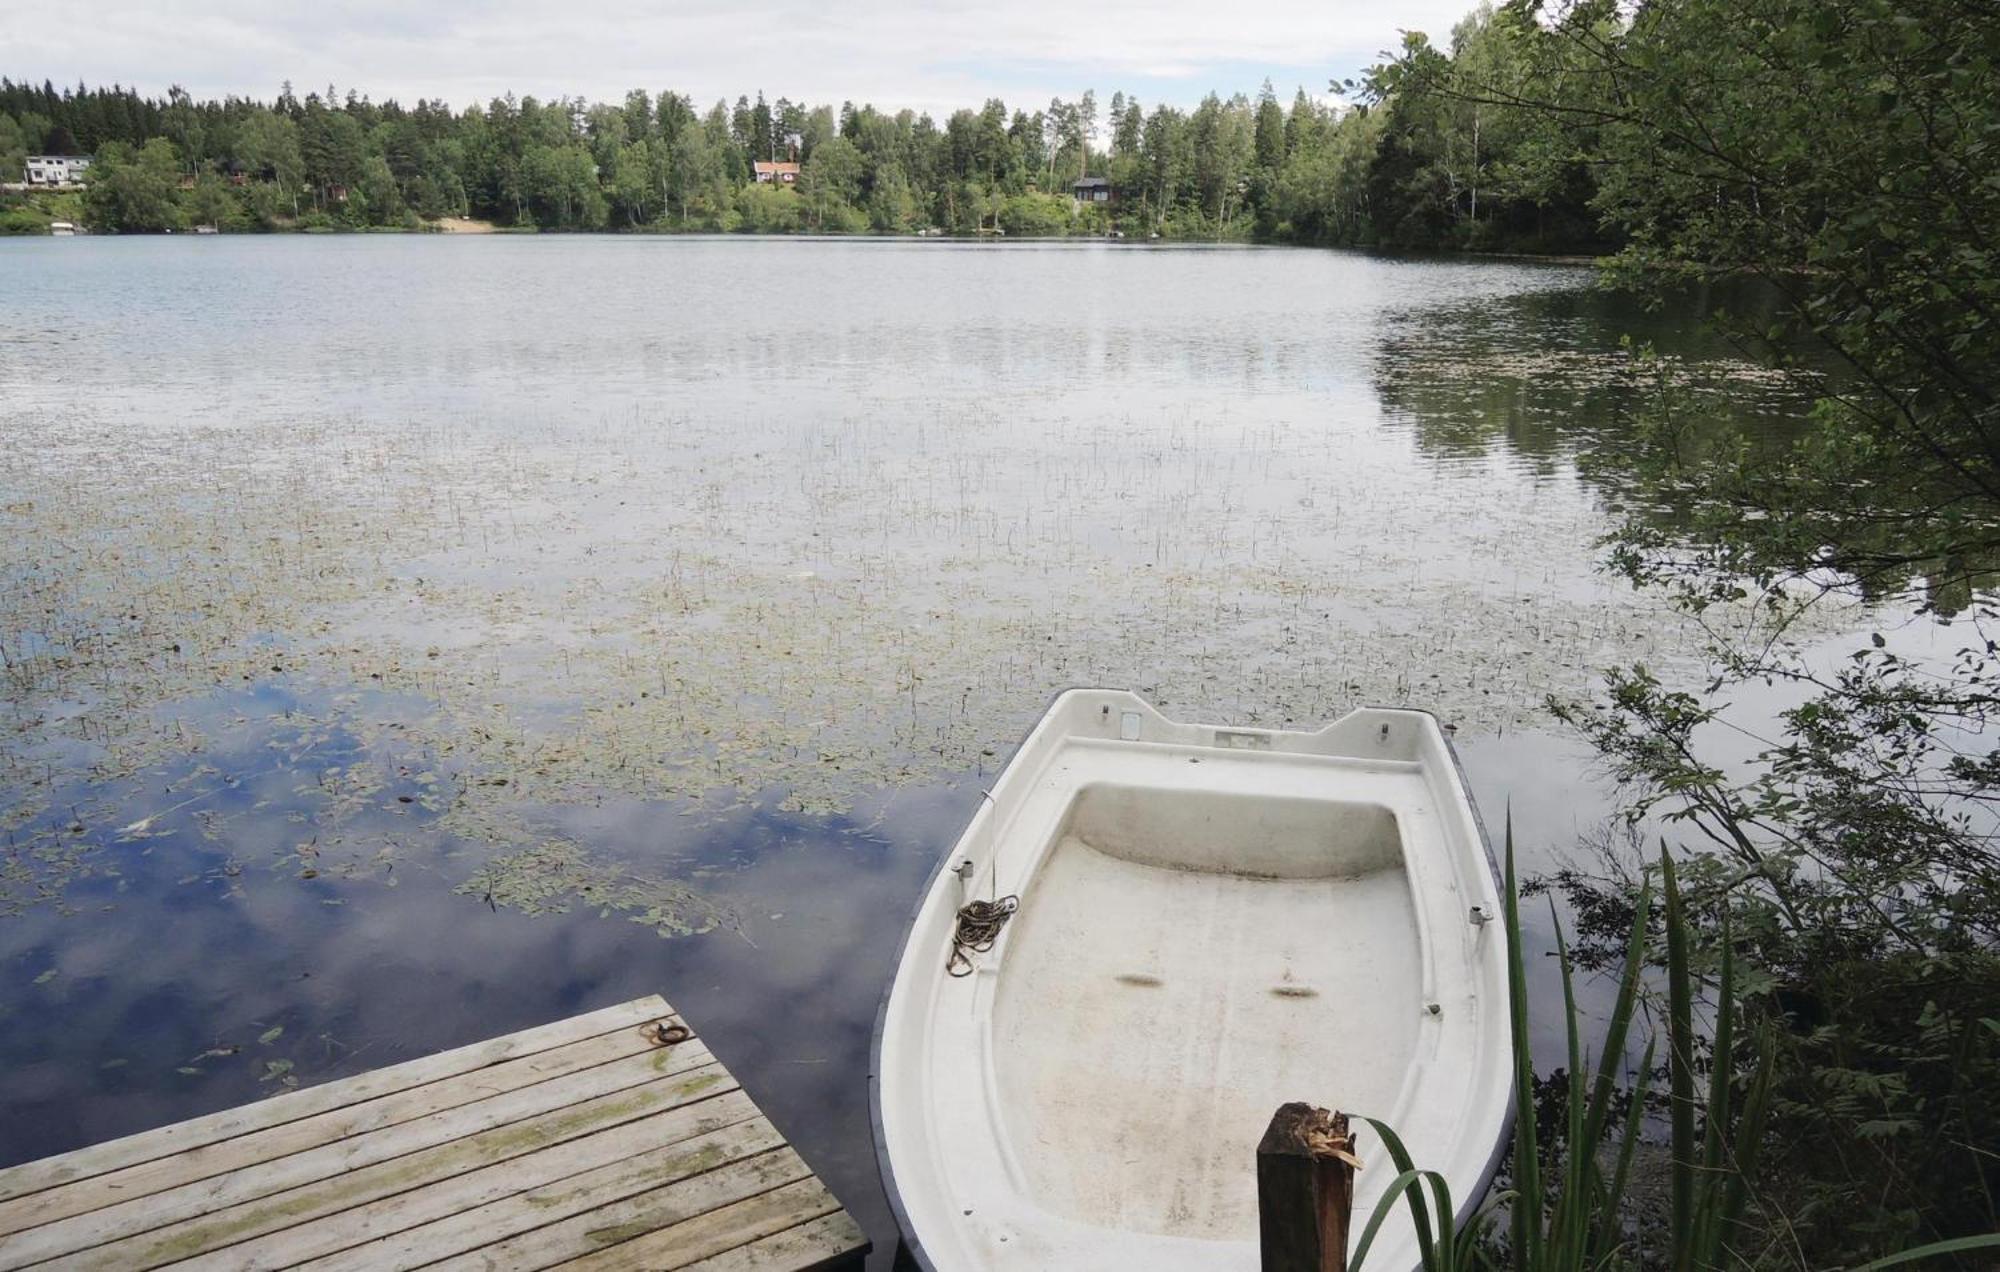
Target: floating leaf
[[271, 1035]]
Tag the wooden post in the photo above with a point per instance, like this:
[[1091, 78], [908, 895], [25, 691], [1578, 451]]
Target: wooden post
[[1305, 1190]]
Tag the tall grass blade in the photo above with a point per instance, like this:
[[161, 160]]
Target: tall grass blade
[[1680, 1068], [1610, 1216], [1527, 1210], [1712, 1226], [1427, 1236], [1957, 1245], [1749, 1138], [1572, 1202], [1622, 1012], [1404, 1185]]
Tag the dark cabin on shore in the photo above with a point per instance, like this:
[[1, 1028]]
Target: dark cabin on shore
[[1090, 190]]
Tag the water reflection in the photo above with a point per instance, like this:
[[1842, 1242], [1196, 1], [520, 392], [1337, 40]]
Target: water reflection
[[1549, 378], [397, 646], [221, 980]]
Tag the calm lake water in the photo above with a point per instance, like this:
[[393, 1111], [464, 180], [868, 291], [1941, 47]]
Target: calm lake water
[[410, 640]]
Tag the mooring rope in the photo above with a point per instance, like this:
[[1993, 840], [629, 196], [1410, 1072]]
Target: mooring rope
[[979, 924]]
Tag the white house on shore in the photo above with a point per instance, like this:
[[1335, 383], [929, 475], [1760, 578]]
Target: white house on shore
[[55, 170]]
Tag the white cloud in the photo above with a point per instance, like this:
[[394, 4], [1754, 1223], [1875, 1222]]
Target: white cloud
[[929, 56]]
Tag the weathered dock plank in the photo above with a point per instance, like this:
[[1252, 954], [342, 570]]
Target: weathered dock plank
[[823, 1243], [407, 1240], [713, 1232], [594, 1141], [168, 1140]]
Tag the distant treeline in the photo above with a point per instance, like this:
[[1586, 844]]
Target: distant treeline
[[1397, 169]]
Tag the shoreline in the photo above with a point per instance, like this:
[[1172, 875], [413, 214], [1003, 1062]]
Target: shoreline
[[472, 228]]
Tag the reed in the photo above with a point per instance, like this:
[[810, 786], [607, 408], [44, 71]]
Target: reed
[[1574, 1214]]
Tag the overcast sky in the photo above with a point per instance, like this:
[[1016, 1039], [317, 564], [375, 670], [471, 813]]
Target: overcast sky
[[894, 53]]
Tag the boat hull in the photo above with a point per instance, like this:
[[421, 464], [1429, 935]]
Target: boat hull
[[1211, 922]]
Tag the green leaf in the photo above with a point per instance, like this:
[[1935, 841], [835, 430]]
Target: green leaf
[[1406, 1184], [1427, 1237], [1884, 1128], [1957, 1245]]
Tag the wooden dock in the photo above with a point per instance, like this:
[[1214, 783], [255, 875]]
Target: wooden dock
[[611, 1140]]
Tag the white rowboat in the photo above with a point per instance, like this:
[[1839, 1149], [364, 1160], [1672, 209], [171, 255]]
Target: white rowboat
[[1212, 922]]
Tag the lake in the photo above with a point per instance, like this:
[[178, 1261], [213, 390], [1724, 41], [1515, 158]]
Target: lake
[[407, 640]]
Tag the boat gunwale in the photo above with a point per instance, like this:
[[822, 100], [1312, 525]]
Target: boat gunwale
[[1502, 1141], [1365, 763], [906, 1235]]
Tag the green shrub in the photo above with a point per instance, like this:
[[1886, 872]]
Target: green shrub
[[768, 209], [1571, 1210], [1035, 215], [21, 220]]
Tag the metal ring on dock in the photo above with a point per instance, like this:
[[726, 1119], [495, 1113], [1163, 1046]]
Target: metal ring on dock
[[666, 1035]]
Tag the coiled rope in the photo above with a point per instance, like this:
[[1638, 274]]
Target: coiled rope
[[979, 924]]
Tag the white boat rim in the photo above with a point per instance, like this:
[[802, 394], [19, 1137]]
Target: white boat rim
[[1098, 809]]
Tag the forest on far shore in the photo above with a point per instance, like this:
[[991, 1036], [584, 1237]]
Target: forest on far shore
[[1393, 169]]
